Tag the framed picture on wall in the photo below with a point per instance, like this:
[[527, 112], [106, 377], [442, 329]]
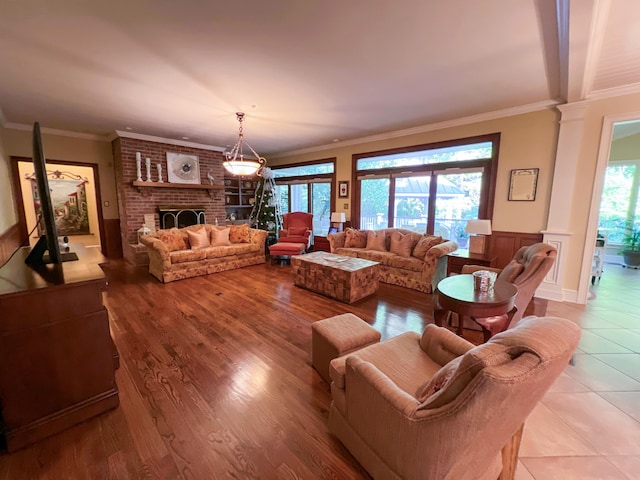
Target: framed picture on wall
[[343, 189], [182, 168], [523, 184]]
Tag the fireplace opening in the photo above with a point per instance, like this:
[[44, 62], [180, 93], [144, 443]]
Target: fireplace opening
[[181, 216]]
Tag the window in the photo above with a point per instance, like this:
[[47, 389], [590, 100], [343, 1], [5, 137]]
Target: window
[[307, 188], [619, 206], [428, 188]]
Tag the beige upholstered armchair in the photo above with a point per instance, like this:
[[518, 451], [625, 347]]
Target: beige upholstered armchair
[[436, 407], [526, 271]]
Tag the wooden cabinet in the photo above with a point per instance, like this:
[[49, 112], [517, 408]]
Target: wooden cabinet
[[460, 258], [239, 195], [321, 244], [57, 358]]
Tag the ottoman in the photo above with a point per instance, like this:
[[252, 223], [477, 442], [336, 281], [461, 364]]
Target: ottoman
[[337, 336], [285, 249]]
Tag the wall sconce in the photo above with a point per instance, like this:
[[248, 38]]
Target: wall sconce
[[478, 230], [337, 220]]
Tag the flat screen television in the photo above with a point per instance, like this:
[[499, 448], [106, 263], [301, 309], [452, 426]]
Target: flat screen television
[[47, 249]]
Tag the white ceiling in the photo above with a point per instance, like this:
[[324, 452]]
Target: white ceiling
[[305, 72]]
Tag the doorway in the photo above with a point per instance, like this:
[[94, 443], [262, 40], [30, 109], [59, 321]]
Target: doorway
[[615, 209]]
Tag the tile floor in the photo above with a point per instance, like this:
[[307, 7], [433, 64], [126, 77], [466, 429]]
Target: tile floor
[[588, 424]]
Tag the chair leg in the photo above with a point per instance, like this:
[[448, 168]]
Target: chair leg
[[510, 456]]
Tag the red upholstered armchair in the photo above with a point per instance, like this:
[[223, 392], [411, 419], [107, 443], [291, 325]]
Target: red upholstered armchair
[[297, 228]]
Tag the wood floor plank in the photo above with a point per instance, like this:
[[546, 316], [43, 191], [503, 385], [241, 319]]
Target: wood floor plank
[[215, 381]]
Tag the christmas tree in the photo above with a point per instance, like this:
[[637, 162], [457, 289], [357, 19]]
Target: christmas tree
[[266, 214]]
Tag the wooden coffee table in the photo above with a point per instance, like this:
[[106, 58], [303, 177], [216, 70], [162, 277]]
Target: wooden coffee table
[[492, 310], [346, 279]]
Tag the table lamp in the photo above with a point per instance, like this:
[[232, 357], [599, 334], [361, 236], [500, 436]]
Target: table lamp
[[478, 231], [338, 219]]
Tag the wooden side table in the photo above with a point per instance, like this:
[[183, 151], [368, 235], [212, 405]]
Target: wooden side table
[[321, 244], [492, 310], [458, 259]]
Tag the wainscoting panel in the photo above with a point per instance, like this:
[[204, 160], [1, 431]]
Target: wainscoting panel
[[504, 245], [113, 243], [9, 242]]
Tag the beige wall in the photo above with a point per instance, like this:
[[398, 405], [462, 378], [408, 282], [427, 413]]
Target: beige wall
[[57, 147], [8, 215], [527, 141]]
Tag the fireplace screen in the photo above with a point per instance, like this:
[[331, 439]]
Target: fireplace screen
[[181, 216]]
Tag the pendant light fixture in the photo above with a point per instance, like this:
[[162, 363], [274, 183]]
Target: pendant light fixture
[[236, 163]]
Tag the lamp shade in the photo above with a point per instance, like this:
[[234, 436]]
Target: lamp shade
[[338, 217], [479, 227]]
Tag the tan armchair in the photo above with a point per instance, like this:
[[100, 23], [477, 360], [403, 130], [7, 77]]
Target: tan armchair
[[297, 227], [436, 407], [526, 271]]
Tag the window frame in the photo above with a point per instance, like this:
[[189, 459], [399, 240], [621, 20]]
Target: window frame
[[309, 181], [489, 167]]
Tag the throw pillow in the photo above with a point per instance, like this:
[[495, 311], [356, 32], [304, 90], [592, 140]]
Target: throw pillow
[[355, 238], [239, 234], [220, 237], [424, 244], [297, 231], [173, 239], [198, 238], [401, 244], [376, 241]]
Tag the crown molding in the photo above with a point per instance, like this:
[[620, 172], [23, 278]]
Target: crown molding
[[481, 117], [55, 131], [170, 141]]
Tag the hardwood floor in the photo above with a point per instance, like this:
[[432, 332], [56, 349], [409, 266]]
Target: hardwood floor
[[215, 381]]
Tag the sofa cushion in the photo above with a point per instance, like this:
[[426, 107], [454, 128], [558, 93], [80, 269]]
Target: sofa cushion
[[401, 243], [173, 239], [296, 231], [355, 238], [348, 252], [183, 256], [220, 237], [198, 238], [376, 240], [239, 234], [376, 256], [424, 244], [230, 250], [405, 263]]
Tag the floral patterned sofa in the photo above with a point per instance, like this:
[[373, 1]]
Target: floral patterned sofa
[[179, 253], [406, 258]]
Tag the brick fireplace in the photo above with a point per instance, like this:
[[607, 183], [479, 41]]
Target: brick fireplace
[[136, 201]]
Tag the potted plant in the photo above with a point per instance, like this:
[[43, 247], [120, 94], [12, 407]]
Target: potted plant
[[631, 248]]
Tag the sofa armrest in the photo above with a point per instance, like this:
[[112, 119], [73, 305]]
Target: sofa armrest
[[155, 246], [365, 381], [442, 345], [258, 237], [336, 240], [443, 249]]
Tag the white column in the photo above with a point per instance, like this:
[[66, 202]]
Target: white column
[[557, 232]]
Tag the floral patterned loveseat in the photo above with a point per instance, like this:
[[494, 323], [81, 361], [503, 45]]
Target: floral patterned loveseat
[[406, 258], [178, 253]]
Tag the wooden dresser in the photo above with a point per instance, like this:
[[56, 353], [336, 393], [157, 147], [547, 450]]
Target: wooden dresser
[[57, 358], [459, 258]]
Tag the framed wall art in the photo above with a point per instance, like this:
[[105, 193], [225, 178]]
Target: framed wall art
[[343, 189], [182, 168], [523, 184]]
